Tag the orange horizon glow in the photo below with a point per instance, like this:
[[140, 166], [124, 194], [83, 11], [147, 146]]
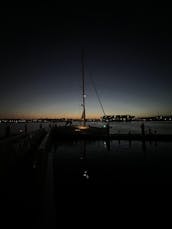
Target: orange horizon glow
[[47, 116], [59, 116]]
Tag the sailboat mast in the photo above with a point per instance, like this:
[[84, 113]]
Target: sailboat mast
[[83, 89]]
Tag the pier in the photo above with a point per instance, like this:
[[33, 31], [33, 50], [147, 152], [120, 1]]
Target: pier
[[102, 134]]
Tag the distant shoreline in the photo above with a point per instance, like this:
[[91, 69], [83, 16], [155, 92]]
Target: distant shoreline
[[78, 120]]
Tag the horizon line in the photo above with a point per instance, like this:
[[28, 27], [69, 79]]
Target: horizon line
[[79, 118]]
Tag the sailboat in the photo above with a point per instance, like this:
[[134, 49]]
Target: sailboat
[[82, 131], [84, 128]]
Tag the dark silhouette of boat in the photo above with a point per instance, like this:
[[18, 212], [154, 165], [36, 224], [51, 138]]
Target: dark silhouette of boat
[[84, 130]]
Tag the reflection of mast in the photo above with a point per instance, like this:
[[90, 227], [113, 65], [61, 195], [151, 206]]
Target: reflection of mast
[[83, 152], [83, 89], [83, 158]]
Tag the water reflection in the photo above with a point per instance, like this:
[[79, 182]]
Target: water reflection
[[83, 159], [107, 145], [87, 162], [144, 146], [130, 143], [85, 174]]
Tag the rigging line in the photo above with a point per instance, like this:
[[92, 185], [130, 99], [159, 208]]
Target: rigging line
[[94, 86]]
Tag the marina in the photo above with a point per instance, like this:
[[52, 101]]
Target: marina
[[115, 128], [39, 144], [86, 115], [36, 168]]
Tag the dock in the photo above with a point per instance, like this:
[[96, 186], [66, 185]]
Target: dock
[[101, 133]]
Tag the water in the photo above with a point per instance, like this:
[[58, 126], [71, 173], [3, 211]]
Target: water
[[112, 162], [124, 127], [134, 127], [159, 126], [76, 164], [109, 162]]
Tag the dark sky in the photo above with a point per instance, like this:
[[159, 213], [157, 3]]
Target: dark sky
[[128, 53]]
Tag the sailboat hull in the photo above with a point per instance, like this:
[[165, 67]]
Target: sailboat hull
[[80, 132]]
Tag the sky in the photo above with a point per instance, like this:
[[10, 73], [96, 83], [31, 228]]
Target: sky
[[127, 54]]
